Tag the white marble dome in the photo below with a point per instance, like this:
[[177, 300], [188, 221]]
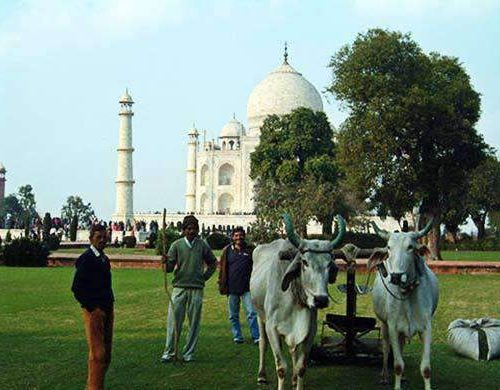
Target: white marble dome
[[282, 91], [126, 98], [233, 128]]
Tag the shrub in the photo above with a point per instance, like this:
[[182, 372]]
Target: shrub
[[165, 239], [262, 231], [487, 244], [129, 241], [53, 242], [47, 225], [23, 252], [73, 228], [8, 237], [151, 240], [218, 240]]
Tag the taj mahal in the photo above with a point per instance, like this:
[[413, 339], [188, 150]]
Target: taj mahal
[[218, 185]]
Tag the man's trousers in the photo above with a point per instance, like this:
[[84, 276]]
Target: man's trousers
[[188, 300], [99, 332]]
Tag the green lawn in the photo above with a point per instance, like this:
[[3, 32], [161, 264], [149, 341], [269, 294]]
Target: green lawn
[[43, 344], [471, 255]]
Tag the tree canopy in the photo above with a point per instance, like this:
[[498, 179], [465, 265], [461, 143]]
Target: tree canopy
[[410, 133], [484, 192], [294, 168], [11, 207], [76, 208]]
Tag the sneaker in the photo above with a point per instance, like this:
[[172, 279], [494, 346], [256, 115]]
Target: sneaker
[[256, 341], [239, 341], [188, 359]]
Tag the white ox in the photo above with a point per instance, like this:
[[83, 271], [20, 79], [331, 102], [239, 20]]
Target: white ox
[[405, 297], [287, 294]]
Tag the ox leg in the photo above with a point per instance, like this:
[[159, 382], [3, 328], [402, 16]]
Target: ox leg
[[262, 377], [425, 364], [279, 359], [299, 366], [384, 375], [399, 364]]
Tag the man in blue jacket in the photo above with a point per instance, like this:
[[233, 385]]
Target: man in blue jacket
[[92, 289]]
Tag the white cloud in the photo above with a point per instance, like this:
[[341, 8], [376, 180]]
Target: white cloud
[[42, 25]]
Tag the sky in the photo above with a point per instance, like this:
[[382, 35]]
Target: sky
[[64, 65]]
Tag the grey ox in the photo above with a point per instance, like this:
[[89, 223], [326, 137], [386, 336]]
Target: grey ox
[[287, 294], [405, 297]]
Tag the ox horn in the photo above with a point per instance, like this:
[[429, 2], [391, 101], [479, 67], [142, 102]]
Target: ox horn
[[290, 231], [425, 230], [340, 236], [382, 233]]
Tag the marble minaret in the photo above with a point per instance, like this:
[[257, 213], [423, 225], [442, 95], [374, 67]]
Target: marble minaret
[[191, 171], [125, 178], [2, 182]]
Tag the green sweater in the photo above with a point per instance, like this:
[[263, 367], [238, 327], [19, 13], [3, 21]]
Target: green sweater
[[188, 263]]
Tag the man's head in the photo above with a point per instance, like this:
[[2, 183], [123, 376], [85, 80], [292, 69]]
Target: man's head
[[190, 227], [238, 236], [98, 237]]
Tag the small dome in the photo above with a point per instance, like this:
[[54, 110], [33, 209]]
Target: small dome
[[126, 98], [233, 128], [281, 92]]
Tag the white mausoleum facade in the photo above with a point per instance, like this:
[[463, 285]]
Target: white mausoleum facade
[[218, 171]]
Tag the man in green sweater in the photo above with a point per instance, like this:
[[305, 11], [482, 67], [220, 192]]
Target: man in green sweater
[[192, 262]]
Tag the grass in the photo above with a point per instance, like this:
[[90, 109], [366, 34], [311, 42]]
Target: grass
[[471, 255], [43, 344]]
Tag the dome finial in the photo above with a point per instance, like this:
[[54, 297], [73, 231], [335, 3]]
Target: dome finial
[[285, 55]]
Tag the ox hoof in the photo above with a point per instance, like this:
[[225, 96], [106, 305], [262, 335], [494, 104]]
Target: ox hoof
[[262, 381]]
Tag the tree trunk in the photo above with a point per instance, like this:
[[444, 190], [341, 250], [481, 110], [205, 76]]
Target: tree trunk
[[479, 221], [433, 239], [327, 225]]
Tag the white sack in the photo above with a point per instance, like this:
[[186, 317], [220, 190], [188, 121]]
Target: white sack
[[463, 337]]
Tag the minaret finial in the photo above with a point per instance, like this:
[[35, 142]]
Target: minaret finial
[[234, 115], [285, 56]]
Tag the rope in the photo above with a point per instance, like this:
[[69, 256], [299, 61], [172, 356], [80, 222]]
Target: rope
[[389, 291]]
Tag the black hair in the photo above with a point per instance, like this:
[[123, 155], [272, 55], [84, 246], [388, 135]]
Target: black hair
[[96, 228], [238, 229], [189, 220]]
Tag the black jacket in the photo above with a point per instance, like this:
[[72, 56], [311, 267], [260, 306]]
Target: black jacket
[[92, 281]]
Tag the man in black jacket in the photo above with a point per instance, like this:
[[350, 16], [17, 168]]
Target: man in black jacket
[[92, 289]]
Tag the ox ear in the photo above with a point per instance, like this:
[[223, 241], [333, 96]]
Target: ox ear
[[423, 251], [333, 270], [378, 256], [291, 273]]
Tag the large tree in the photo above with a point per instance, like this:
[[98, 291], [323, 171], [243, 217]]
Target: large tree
[[484, 192], [27, 201], [409, 135], [294, 169], [76, 210], [12, 208]]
